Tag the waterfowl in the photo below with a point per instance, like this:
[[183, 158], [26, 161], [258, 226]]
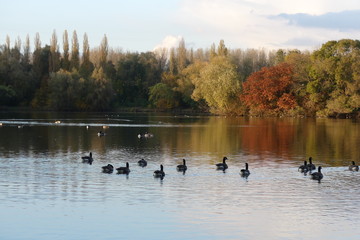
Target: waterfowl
[[124, 170], [311, 166], [108, 168], [317, 175], [245, 172], [159, 173], [223, 165], [88, 159], [148, 135], [303, 168], [182, 167], [353, 167], [101, 133], [142, 162]]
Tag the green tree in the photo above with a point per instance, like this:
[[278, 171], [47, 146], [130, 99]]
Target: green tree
[[219, 85], [7, 96], [86, 67], [63, 91], [75, 56], [162, 96], [100, 93], [185, 84]]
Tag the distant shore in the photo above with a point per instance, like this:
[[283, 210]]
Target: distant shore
[[355, 115]]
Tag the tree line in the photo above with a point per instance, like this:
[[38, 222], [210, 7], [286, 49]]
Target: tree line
[[325, 82]]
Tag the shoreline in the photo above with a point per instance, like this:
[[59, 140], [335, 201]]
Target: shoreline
[[355, 115]]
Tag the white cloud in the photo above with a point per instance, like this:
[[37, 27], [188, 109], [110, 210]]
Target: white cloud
[[169, 42], [246, 23]]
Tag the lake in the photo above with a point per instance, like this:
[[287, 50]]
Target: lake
[[47, 192]]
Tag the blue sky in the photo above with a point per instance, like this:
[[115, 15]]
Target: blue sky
[[142, 25]]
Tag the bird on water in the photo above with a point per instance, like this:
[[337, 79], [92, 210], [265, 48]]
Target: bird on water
[[223, 165]]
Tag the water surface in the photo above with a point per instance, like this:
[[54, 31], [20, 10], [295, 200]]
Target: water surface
[[46, 192]]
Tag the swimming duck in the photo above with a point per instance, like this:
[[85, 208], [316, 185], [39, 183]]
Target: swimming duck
[[303, 168], [311, 166], [101, 134], [142, 163], [183, 167], [108, 168], [223, 165], [317, 175], [245, 172], [124, 170], [88, 159], [353, 167], [159, 173]]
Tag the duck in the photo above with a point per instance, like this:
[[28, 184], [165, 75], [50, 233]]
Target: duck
[[101, 134], [223, 165], [353, 167], [317, 175], [108, 168], [245, 172], [88, 159], [142, 163], [124, 170], [182, 167], [304, 168], [148, 135], [160, 173], [311, 166]]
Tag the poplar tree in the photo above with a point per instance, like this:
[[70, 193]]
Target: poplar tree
[[222, 50], [54, 64], [104, 49], [65, 63], [37, 42], [86, 67], [181, 56], [75, 58], [172, 62], [26, 55]]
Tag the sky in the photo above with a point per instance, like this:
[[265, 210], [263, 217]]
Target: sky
[[144, 25]]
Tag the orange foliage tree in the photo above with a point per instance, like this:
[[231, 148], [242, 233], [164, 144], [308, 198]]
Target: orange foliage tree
[[269, 89]]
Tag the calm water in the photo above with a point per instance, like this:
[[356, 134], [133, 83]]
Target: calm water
[[46, 192]]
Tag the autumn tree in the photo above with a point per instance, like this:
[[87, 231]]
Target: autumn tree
[[181, 56], [218, 85], [268, 91]]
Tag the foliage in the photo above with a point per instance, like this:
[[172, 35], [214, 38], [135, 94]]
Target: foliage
[[218, 84], [162, 96], [270, 89], [7, 96], [325, 82]]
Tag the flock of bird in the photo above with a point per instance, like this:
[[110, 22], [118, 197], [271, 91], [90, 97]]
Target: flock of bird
[[306, 168]]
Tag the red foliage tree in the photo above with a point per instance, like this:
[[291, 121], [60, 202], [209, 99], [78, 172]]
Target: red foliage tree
[[269, 89]]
